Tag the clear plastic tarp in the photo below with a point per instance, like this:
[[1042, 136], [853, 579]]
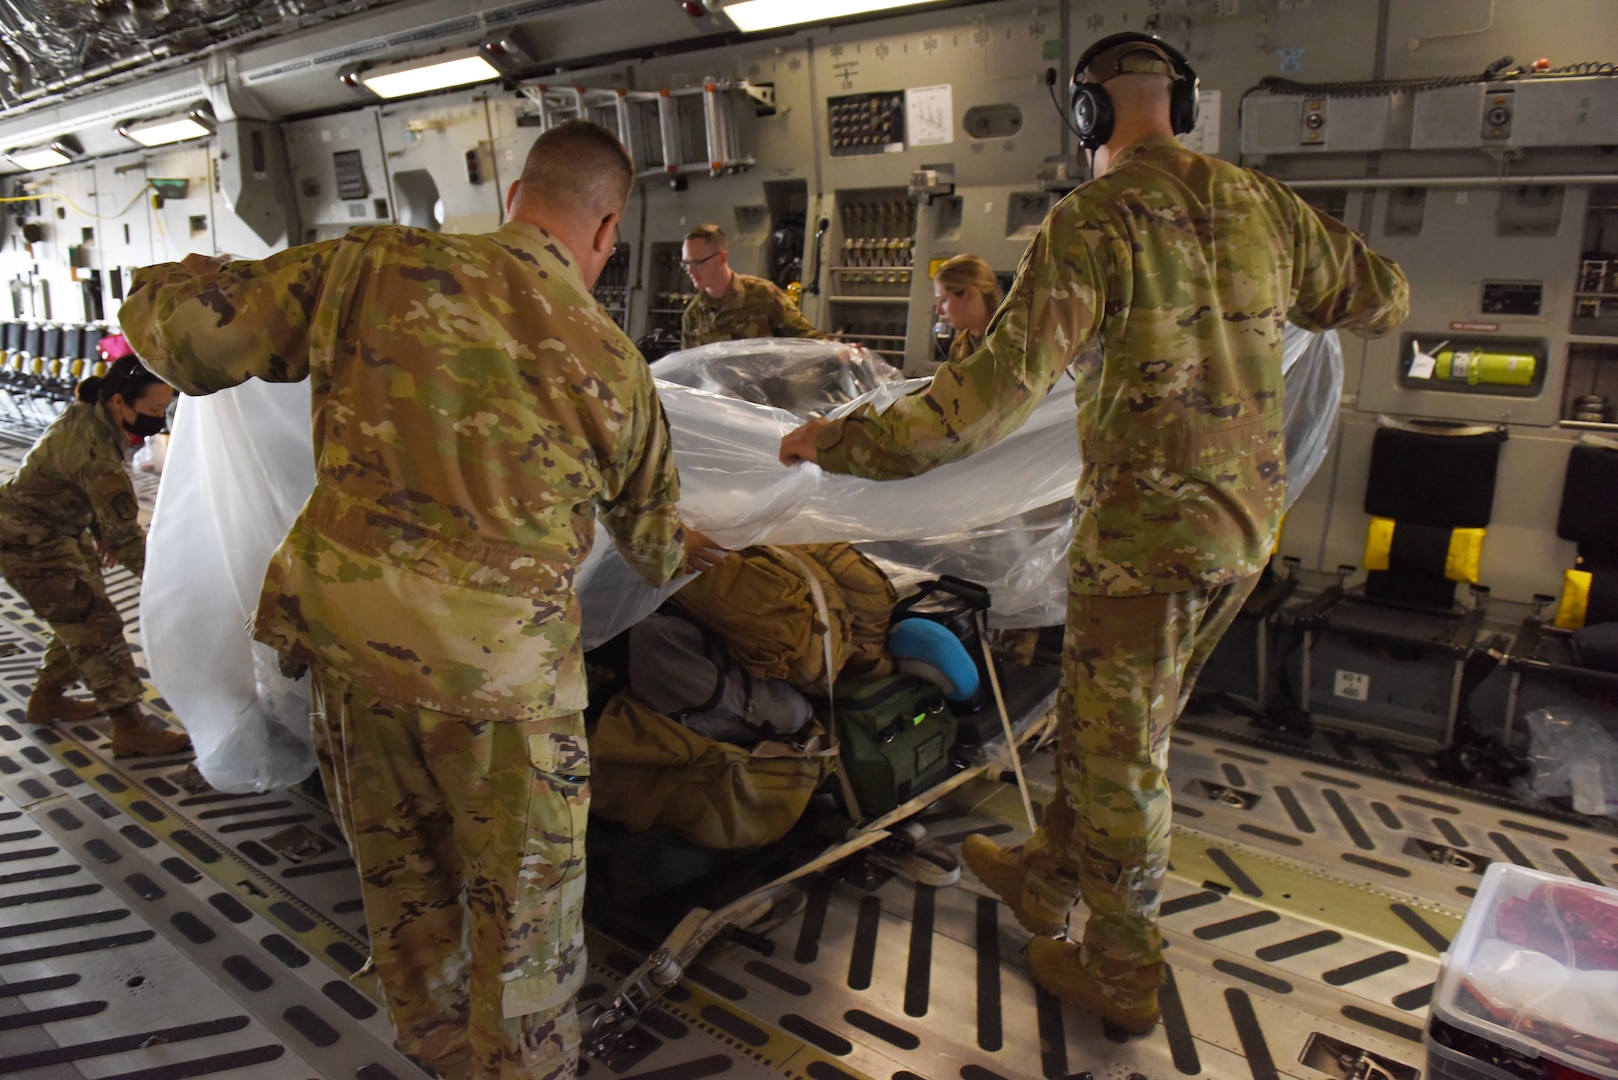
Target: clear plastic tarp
[[239, 470]]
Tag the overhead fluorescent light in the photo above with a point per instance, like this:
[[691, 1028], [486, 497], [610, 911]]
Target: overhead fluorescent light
[[461, 67], [42, 157], [172, 128], [751, 15]]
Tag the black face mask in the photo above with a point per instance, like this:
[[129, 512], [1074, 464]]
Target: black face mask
[[146, 426]]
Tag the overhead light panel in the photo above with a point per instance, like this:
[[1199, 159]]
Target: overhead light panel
[[751, 15], [460, 67], [172, 128], [43, 157]]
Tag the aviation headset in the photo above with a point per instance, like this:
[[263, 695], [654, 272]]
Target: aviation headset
[[1092, 107]]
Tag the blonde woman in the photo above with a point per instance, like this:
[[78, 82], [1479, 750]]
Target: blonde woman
[[967, 293]]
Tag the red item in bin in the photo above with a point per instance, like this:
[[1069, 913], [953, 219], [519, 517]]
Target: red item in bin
[[1558, 920], [1555, 1070]]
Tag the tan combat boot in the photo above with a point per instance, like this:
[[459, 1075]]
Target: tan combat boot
[[1058, 967], [1001, 869], [134, 734], [48, 704]]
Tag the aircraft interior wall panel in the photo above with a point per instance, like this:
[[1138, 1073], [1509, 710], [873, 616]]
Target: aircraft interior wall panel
[[1460, 246], [1522, 555], [439, 162], [1344, 540], [254, 212], [234, 235], [995, 58], [336, 193], [780, 146], [182, 223], [508, 143], [124, 234], [783, 145], [64, 222], [1303, 529], [1425, 39]]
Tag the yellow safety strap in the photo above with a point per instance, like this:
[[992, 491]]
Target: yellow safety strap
[[1575, 602], [1378, 542], [1465, 553], [1460, 560]]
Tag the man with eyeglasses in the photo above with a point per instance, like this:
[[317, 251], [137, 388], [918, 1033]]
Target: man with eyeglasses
[[731, 306]]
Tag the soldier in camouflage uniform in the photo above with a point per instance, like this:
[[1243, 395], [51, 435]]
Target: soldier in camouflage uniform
[[1165, 282], [731, 306], [473, 409], [73, 481], [965, 294]]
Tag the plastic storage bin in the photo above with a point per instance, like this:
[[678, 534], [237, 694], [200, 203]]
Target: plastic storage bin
[[1529, 989]]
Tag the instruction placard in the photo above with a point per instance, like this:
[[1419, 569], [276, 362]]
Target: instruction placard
[[1353, 685], [930, 115]]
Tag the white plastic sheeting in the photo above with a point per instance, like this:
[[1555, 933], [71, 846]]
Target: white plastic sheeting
[[1001, 517], [239, 470]]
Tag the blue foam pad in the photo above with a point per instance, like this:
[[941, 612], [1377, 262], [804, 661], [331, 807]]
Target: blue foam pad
[[932, 644]]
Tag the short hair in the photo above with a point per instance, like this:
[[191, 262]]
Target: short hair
[[711, 233], [581, 165], [971, 272]]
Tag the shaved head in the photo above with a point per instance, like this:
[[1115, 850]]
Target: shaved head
[[579, 168], [1133, 93], [574, 185]]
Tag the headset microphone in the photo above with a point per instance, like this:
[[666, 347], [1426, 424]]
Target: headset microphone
[[1050, 87]]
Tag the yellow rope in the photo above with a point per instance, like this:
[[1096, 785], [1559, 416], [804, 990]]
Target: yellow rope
[[77, 209]]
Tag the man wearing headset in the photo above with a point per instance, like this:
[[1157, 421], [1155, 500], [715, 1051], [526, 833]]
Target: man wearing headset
[[1164, 283]]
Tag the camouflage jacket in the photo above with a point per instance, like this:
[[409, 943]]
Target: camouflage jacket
[[472, 408], [1165, 285], [75, 475], [752, 308]]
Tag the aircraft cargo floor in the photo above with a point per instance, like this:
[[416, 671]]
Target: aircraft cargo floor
[[153, 928]]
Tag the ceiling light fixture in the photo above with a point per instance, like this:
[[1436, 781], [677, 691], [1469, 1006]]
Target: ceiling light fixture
[[460, 67], [48, 156], [170, 128], [751, 15]]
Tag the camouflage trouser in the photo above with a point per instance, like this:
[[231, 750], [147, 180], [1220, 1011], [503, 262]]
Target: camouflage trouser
[[1128, 665], [61, 581], [469, 835]]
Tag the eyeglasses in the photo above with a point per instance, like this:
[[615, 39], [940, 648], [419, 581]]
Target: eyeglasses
[[689, 265]]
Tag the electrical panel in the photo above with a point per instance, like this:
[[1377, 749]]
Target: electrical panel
[[612, 287], [1539, 111], [870, 298], [866, 123], [1512, 297], [1533, 112], [1287, 124]]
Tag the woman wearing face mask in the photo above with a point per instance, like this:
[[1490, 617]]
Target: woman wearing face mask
[[71, 482], [967, 293]]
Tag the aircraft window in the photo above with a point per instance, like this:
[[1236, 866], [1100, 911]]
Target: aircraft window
[[992, 121], [417, 195]]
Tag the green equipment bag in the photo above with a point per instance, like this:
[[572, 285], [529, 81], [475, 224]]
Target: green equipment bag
[[896, 735]]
